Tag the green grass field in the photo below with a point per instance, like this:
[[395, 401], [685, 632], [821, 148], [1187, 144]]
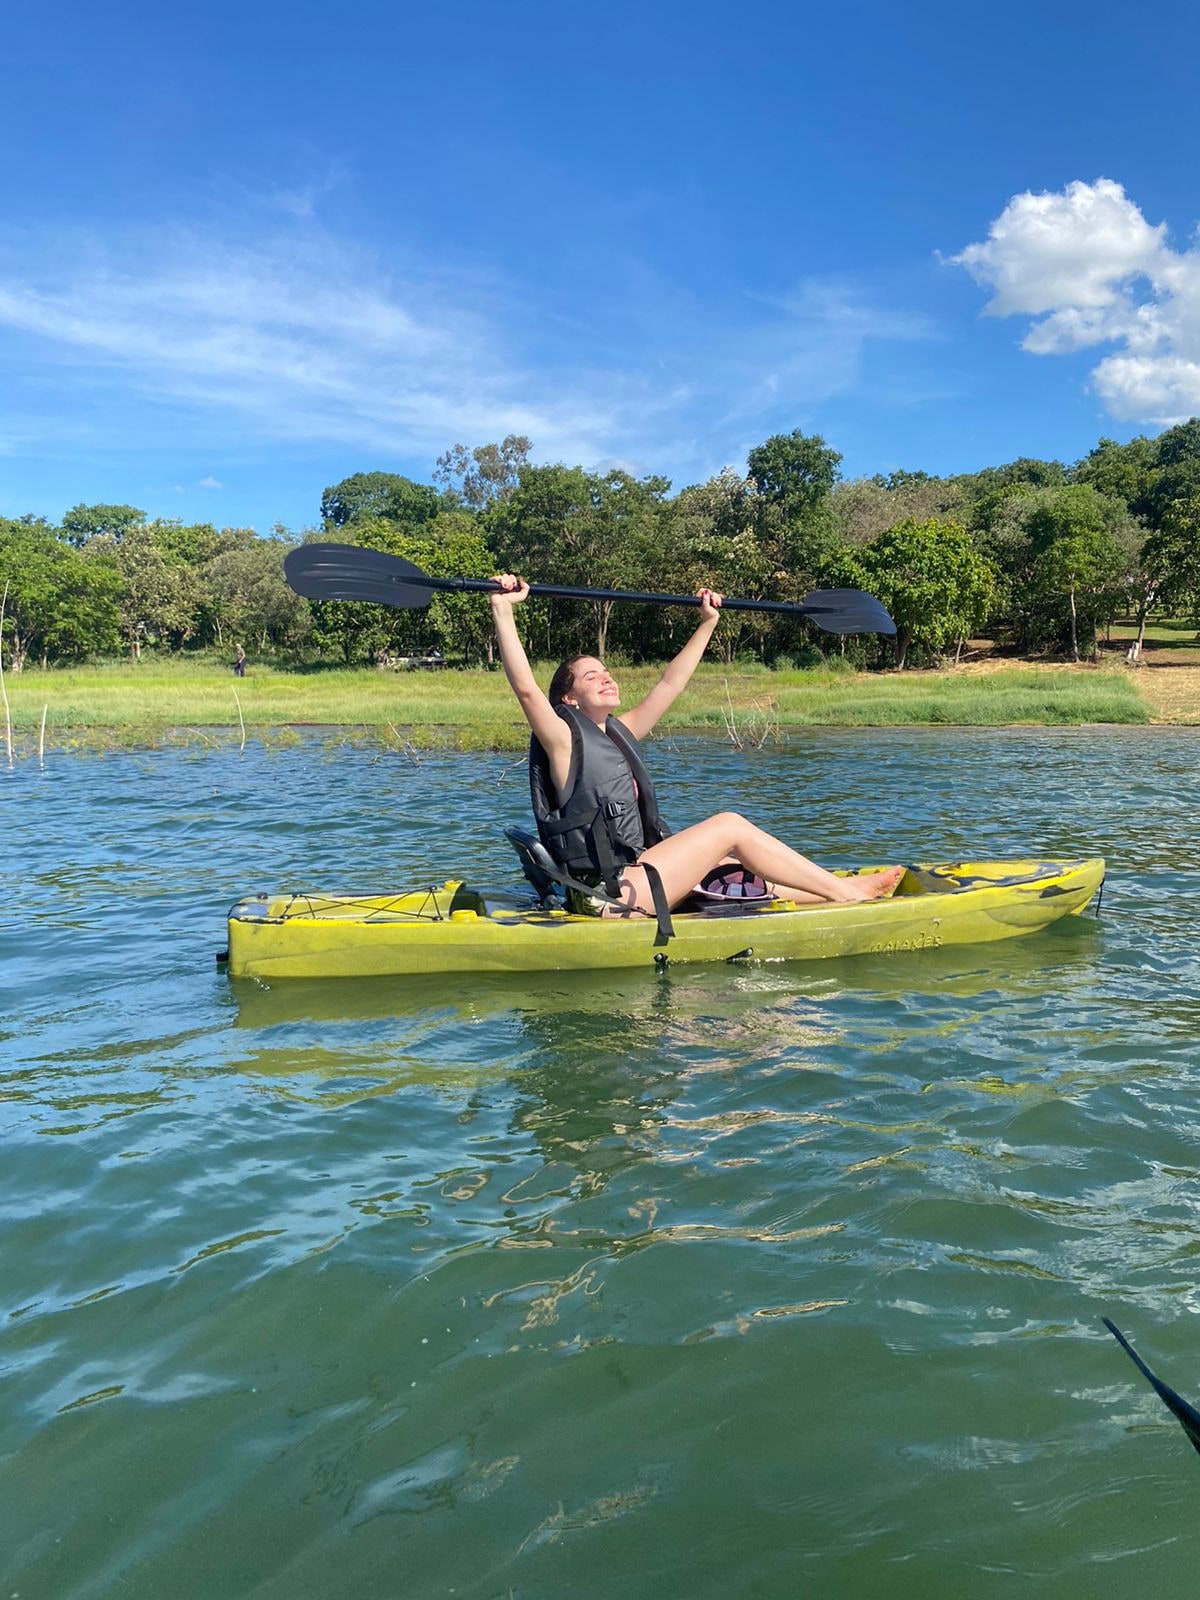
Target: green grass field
[[157, 702]]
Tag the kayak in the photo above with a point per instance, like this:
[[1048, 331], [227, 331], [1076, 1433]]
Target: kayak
[[452, 928]]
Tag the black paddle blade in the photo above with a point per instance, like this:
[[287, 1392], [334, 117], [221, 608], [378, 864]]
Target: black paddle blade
[[847, 611], [1187, 1415], [350, 572]]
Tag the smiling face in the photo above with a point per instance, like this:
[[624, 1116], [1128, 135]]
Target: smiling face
[[592, 690]]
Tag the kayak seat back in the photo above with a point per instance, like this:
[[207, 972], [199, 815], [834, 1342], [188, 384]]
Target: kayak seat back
[[539, 866]]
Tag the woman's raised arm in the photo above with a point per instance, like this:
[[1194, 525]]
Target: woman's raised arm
[[548, 727], [640, 719]]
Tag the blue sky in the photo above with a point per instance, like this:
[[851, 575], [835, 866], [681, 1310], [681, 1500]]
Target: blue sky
[[246, 250]]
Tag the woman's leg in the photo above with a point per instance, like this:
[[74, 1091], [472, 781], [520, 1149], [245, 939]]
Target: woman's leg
[[684, 858]]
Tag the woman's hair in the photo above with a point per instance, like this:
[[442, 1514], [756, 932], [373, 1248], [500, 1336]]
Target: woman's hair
[[563, 680]]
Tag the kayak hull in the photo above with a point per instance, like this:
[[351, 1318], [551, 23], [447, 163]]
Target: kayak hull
[[450, 928]]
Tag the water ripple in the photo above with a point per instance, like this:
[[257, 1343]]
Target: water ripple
[[744, 1281]]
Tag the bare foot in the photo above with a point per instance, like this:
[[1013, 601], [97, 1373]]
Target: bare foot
[[874, 885]]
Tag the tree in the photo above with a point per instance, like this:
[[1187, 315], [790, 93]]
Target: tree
[[1087, 567], [158, 599], [1077, 561], [379, 495], [1123, 472], [1170, 565], [863, 508], [59, 606], [565, 525], [192, 544], [929, 575], [1044, 592], [248, 596], [1177, 470], [794, 472], [451, 546], [712, 538], [82, 522], [486, 475], [901, 478]]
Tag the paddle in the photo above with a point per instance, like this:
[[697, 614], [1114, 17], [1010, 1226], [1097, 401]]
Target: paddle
[[348, 572], [1186, 1415]]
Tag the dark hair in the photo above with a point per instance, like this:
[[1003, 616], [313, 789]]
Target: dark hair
[[563, 680]]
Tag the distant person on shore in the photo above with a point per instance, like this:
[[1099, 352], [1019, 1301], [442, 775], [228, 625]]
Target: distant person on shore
[[239, 665]]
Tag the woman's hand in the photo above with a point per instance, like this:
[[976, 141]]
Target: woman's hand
[[710, 604], [515, 590]]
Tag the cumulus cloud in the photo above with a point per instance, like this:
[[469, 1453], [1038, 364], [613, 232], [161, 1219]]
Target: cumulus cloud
[[209, 483], [1089, 266], [303, 338]]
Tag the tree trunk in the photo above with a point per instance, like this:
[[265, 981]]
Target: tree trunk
[[603, 617], [958, 652], [1074, 628], [902, 642], [1134, 654]]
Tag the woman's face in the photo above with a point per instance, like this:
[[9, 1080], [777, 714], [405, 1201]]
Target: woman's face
[[594, 690]]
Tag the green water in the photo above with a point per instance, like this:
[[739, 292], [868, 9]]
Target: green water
[[753, 1282]]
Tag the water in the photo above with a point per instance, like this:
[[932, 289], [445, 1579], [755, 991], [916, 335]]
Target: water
[[748, 1282]]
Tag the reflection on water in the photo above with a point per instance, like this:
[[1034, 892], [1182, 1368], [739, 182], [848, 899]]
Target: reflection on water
[[721, 1281]]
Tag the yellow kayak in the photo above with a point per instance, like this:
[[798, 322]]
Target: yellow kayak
[[451, 928]]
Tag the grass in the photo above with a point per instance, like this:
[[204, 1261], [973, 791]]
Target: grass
[[174, 700]]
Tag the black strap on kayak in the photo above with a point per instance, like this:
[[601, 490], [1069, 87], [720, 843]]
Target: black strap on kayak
[[662, 911]]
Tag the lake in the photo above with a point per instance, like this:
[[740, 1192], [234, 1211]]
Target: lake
[[713, 1282]]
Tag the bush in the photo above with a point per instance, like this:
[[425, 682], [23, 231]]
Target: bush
[[803, 659]]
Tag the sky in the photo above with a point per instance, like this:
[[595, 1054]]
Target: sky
[[249, 249]]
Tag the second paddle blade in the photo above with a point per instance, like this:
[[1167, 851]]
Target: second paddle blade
[[847, 611], [350, 572]]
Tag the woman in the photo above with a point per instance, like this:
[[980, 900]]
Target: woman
[[594, 801]]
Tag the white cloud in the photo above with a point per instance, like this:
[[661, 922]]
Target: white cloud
[[304, 339], [1089, 265], [209, 483]]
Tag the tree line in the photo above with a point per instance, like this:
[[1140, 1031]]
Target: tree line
[[1037, 554]]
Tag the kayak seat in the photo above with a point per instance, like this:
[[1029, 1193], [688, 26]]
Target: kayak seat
[[539, 866]]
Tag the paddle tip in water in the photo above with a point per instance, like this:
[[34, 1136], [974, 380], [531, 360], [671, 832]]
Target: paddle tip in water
[[1184, 1413]]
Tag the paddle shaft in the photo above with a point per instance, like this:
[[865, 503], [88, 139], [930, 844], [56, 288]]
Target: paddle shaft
[[352, 572], [565, 591]]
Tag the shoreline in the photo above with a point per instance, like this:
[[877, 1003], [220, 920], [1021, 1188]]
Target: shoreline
[[176, 704]]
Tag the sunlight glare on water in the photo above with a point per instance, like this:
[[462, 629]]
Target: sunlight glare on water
[[725, 1281]]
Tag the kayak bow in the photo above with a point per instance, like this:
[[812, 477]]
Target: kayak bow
[[451, 928]]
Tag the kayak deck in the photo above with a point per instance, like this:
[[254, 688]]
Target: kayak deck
[[452, 928]]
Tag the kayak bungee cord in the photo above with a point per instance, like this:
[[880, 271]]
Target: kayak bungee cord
[[321, 906]]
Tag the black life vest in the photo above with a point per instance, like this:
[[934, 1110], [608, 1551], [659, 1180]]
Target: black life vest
[[610, 814]]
